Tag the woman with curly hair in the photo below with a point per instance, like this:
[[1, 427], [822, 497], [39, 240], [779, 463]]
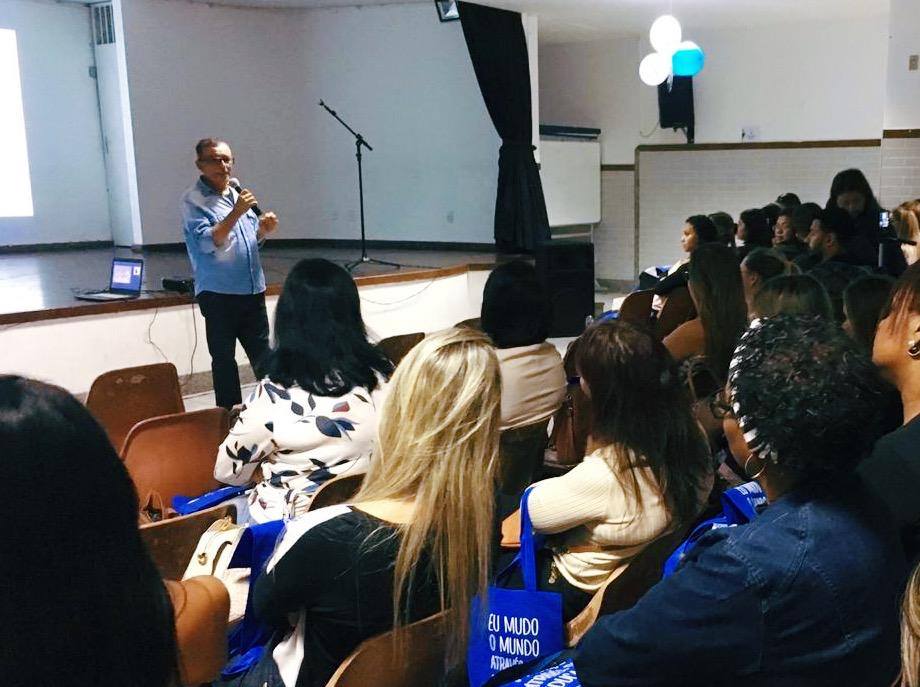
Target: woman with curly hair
[[806, 594]]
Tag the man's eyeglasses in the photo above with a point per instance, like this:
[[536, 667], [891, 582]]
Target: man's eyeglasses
[[216, 160]]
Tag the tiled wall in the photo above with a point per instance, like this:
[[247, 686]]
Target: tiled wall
[[673, 184], [614, 237], [900, 171]]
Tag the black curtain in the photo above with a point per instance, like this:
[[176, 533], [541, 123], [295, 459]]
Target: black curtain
[[498, 50]]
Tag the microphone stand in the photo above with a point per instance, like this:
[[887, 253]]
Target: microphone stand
[[359, 141]]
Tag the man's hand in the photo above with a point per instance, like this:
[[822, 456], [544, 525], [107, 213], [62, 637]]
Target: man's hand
[[268, 224], [244, 201]]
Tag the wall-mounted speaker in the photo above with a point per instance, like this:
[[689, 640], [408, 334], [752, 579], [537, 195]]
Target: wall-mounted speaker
[[675, 105]]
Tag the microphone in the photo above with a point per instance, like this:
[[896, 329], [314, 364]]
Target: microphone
[[235, 185]]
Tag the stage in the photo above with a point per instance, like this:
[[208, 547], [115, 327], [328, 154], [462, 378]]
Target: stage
[[47, 334], [39, 285]]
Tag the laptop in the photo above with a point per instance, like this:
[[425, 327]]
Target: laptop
[[125, 283]]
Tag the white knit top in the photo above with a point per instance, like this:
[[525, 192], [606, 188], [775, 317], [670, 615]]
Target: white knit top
[[590, 506]]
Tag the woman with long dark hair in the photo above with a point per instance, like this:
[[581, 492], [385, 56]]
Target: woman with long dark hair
[[718, 293], [81, 601], [649, 469], [314, 415]]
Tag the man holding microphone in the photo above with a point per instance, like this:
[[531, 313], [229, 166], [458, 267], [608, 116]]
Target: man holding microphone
[[224, 228]]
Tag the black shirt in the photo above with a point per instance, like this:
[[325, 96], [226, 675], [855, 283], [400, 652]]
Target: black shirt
[[893, 472], [332, 576]]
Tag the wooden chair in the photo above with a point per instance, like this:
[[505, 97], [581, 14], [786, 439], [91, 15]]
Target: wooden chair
[[339, 489], [172, 542], [521, 451], [678, 308], [636, 308], [472, 323], [121, 398], [374, 662], [623, 591], [396, 347], [175, 454]]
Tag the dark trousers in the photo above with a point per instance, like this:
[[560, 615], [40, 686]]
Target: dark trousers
[[228, 318]]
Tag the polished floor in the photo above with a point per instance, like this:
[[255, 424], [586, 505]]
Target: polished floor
[[45, 280]]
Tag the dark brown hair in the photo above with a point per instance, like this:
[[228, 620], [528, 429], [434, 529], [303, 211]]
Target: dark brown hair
[[715, 280], [640, 405], [863, 302]]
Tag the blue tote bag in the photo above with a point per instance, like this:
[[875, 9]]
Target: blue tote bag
[[740, 505], [516, 625]]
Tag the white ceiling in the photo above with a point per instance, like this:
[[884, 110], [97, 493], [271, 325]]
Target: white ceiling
[[578, 20]]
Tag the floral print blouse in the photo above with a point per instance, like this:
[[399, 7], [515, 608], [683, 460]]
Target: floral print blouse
[[298, 440]]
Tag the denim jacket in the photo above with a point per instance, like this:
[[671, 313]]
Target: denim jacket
[[807, 594]]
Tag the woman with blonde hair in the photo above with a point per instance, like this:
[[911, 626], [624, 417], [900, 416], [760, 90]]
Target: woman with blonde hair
[[910, 632], [906, 221], [414, 541]]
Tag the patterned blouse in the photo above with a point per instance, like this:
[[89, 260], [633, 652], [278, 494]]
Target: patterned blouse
[[299, 440]]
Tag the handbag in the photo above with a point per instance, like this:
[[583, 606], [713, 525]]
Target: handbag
[[553, 671], [215, 549], [740, 505], [515, 625], [571, 423], [154, 509]]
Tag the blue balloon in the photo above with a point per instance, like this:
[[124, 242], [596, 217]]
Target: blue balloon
[[688, 62]]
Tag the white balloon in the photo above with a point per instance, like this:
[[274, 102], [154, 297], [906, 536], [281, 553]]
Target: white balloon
[[654, 68], [665, 34]]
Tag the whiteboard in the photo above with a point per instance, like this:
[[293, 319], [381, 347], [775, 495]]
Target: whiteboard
[[571, 175]]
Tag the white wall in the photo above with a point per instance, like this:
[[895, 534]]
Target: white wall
[[62, 125], [147, 336], [594, 84], [255, 77], [808, 82], [902, 109]]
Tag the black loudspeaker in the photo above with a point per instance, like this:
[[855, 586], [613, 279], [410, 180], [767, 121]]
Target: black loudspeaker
[[675, 105], [566, 270]]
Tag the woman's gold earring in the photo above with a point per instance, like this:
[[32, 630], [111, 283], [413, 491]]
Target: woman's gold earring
[[913, 349], [757, 474]]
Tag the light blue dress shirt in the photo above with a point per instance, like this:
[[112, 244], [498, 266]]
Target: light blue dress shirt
[[233, 267]]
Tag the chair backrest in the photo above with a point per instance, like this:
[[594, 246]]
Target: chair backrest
[[396, 347], [175, 454], [623, 591], [374, 662], [521, 451], [339, 489], [678, 308], [172, 542], [121, 398], [636, 308]]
